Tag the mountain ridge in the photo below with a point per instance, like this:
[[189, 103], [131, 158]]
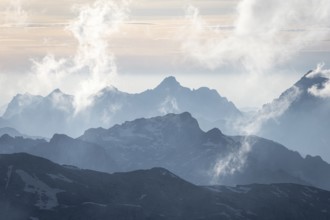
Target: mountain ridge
[[304, 124], [111, 106], [177, 143], [35, 188]]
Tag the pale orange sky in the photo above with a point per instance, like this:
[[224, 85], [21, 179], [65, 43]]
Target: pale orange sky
[[147, 47]]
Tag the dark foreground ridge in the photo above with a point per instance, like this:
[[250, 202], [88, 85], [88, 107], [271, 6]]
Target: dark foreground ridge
[[35, 188]]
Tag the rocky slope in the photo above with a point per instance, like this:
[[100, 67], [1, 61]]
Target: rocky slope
[[35, 188]]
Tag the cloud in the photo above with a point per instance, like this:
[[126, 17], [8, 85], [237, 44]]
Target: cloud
[[324, 91], [232, 162], [252, 125], [169, 105], [93, 66], [249, 126], [15, 15], [263, 36]]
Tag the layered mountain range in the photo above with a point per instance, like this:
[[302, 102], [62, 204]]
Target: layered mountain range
[[35, 188], [122, 132], [56, 113], [176, 142], [302, 121]]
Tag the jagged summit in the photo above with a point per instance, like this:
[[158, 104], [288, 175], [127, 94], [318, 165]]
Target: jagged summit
[[308, 80], [304, 125], [215, 132], [111, 106], [109, 88], [58, 137], [109, 91], [173, 123], [169, 83], [57, 92]]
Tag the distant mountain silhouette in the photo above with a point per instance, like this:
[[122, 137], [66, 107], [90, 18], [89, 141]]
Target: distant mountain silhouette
[[41, 116], [55, 113], [10, 131], [34, 188], [305, 125]]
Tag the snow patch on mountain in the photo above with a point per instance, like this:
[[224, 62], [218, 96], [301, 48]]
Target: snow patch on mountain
[[47, 198], [59, 177], [9, 172]]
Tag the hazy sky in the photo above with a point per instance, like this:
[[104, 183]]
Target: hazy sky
[[249, 50]]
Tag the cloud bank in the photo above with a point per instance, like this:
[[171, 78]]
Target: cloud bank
[[265, 33]]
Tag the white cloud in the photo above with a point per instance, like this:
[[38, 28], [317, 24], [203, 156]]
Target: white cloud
[[233, 162], [324, 91], [93, 66], [236, 160], [266, 33], [169, 105], [252, 125]]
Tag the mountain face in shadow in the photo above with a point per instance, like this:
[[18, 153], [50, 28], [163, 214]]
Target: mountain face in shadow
[[35, 188], [176, 142], [62, 149], [304, 126], [56, 113]]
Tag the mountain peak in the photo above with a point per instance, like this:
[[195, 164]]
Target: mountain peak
[[108, 90], [60, 138], [310, 79], [56, 92], [169, 82]]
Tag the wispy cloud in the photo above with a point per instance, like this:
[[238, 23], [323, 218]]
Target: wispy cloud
[[262, 37], [235, 161], [169, 105], [324, 91], [93, 66], [266, 33]]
